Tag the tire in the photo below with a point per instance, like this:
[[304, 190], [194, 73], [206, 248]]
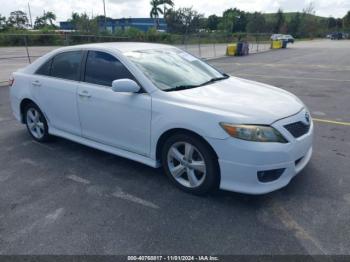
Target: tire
[[190, 164], [36, 123]]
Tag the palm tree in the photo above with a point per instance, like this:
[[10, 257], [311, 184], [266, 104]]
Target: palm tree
[[165, 3], [50, 16], [39, 23], [155, 11], [2, 22]]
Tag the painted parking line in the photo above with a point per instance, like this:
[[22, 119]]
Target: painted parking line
[[331, 122], [78, 179], [128, 197], [310, 243], [291, 77], [333, 68]]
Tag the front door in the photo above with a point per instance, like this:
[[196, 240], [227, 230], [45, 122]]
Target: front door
[[121, 120]]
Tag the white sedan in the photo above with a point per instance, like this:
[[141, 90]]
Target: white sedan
[[161, 106]]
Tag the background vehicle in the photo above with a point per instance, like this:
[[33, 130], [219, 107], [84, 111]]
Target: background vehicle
[[288, 38], [276, 37], [337, 36]]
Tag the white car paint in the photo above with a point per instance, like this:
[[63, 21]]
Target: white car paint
[[51, 94], [100, 113], [131, 124]]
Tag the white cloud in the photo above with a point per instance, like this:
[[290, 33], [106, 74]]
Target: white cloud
[[141, 8]]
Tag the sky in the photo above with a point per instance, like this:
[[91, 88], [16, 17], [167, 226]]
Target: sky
[[141, 8]]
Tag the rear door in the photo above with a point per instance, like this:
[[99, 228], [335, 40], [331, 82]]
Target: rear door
[[121, 120], [55, 86]]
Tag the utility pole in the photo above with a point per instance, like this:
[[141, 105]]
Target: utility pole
[[104, 10], [30, 16]]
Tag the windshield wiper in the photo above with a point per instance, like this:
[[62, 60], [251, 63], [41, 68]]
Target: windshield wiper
[[215, 79], [183, 87]]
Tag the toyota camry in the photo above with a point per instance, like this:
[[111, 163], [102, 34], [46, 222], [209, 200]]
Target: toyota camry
[[161, 106]]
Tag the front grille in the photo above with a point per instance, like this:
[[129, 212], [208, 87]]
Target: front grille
[[297, 129]]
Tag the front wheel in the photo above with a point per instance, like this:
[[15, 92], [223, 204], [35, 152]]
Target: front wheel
[[36, 123], [190, 164]]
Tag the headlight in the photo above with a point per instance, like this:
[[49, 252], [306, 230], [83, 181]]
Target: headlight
[[254, 133]]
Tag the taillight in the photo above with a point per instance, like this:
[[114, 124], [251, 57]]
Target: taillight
[[11, 81]]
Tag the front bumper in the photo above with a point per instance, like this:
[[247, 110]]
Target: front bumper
[[240, 160]]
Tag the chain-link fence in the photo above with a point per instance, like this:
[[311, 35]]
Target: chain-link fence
[[17, 50], [213, 45]]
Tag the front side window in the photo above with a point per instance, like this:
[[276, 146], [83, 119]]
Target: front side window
[[172, 69], [67, 65], [103, 69]]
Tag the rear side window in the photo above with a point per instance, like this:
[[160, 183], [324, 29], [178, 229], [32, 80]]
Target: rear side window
[[67, 65], [45, 68], [102, 69]]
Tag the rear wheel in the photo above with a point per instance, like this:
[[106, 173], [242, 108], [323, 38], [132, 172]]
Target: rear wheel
[[36, 123], [190, 164]]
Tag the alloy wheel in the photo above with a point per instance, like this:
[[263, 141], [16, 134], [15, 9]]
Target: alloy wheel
[[35, 124], [186, 164]]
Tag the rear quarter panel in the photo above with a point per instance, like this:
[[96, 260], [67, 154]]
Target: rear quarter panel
[[19, 91]]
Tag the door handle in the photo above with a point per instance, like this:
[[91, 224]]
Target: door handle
[[84, 94], [36, 83]]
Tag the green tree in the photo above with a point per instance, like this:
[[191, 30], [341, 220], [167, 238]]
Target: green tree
[[45, 21], [173, 20], [75, 20], [233, 20], [331, 23], [166, 3], [309, 23], [213, 22], [256, 23], [279, 21], [39, 23], [190, 19], [346, 21], [183, 20], [82, 22], [50, 16], [294, 25], [339, 23], [2, 22], [18, 19], [156, 11]]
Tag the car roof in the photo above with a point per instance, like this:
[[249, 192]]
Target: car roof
[[118, 47], [122, 47]]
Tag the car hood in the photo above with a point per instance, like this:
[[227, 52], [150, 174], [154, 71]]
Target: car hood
[[241, 100]]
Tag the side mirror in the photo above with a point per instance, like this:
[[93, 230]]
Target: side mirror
[[125, 86]]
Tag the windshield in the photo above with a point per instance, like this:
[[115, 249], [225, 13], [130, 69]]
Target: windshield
[[172, 69]]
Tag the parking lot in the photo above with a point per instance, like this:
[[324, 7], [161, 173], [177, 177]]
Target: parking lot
[[65, 198]]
